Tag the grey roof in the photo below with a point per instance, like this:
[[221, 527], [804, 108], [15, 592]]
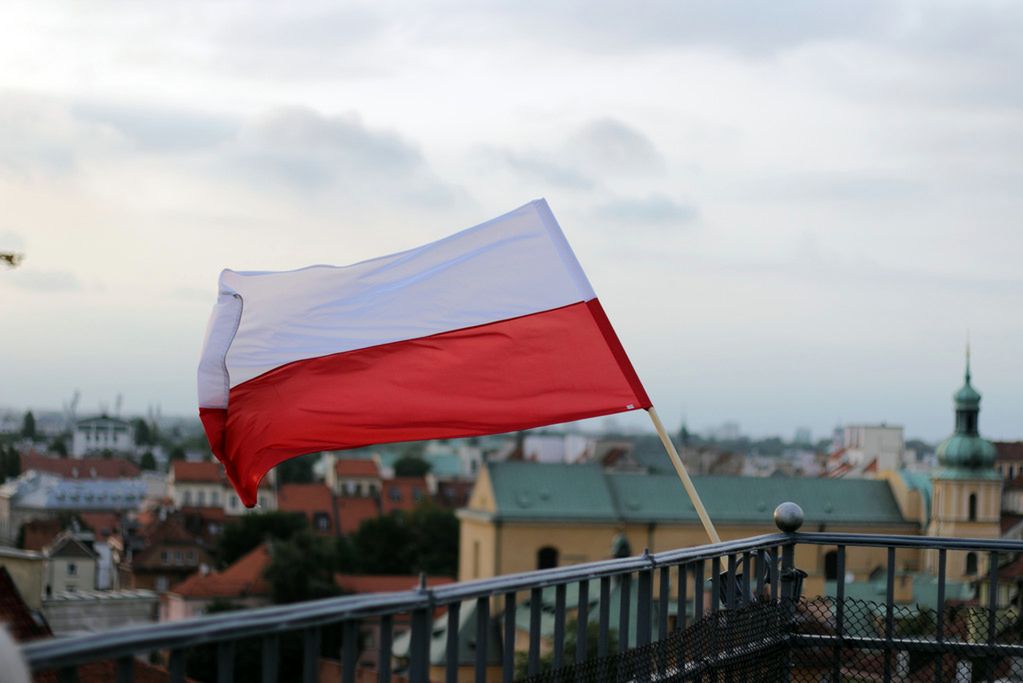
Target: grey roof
[[42, 491], [585, 492]]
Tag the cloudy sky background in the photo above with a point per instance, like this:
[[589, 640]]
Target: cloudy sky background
[[793, 212]]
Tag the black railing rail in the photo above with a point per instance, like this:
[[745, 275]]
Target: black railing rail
[[766, 564]]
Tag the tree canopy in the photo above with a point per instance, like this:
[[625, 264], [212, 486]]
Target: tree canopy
[[410, 466], [248, 532]]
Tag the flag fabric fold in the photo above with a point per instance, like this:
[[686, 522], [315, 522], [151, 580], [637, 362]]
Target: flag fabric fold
[[491, 330]]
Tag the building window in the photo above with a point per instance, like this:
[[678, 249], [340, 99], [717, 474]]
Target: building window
[[177, 557], [372, 489], [201, 498], [162, 583], [547, 557], [971, 564], [163, 556], [188, 498], [973, 507], [72, 569], [321, 521], [191, 556], [394, 493], [232, 502], [417, 495], [215, 498]]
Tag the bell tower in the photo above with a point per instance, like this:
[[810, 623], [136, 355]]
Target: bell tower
[[967, 491]]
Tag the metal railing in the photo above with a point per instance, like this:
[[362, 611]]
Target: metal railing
[[740, 574]]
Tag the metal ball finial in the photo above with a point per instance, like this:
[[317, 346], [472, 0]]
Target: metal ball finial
[[788, 517]]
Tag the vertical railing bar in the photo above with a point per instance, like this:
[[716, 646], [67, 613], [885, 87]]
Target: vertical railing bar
[[508, 655], [664, 591], [715, 579], [698, 590], [940, 627], [419, 647], [836, 671], [482, 639], [747, 578], [758, 569], [605, 616], [788, 598], [384, 653], [775, 587], [349, 651], [889, 615], [271, 658], [644, 599], [311, 655], [559, 625], [683, 602], [176, 666], [992, 609], [624, 611], [451, 643], [582, 621], [535, 604], [730, 592], [125, 669], [225, 661]]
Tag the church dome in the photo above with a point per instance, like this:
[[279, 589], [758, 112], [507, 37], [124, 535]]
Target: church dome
[[966, 448]]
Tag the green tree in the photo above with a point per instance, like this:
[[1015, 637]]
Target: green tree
[[176, 453], [568, 652], [297, 470], [59, 446], [143, 437], [410, 466], [434, 540], [147, 462], [248, 532], [302, 568], [28, 425], [384, 545], [12, 463]]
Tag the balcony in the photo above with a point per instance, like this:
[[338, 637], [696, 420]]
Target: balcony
[[740, 610]]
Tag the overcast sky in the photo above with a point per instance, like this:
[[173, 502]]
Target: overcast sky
[[792, 212]]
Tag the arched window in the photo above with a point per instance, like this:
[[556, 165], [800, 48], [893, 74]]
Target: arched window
[[973, 507], [547, 557], [971, 563], [831, 565]]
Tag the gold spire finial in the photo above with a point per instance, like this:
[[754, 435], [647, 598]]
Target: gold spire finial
[[967, 356]]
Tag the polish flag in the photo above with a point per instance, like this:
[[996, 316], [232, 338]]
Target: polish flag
[[493, 329]]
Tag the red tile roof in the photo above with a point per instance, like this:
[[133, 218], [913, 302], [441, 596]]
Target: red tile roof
[[84, 468], [363, 583], [197, 472], [39, 533], [354, 511], [356, 468], [307, 499], [243, 578], [1009, 451]]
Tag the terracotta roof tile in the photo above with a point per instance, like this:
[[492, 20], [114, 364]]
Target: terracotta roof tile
[[39, 533], [1009, 451], [83, 468], [198, 472], [243, 578], [363, 583], [361, 467]]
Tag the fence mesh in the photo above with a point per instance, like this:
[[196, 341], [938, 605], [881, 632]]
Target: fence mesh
[[797, 642]]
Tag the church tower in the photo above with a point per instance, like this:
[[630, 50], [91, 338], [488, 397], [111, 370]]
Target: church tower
[[967, 491]]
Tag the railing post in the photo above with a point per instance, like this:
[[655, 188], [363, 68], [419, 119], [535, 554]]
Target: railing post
[[419, 648], [788, 517]]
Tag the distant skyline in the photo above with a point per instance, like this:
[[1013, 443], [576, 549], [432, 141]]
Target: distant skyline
[[792, 212]]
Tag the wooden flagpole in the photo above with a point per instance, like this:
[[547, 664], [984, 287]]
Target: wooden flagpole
[[684, 476]]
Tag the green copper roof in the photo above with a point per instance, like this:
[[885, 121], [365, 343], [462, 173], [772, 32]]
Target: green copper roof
[[966, 449], [537, 491]]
